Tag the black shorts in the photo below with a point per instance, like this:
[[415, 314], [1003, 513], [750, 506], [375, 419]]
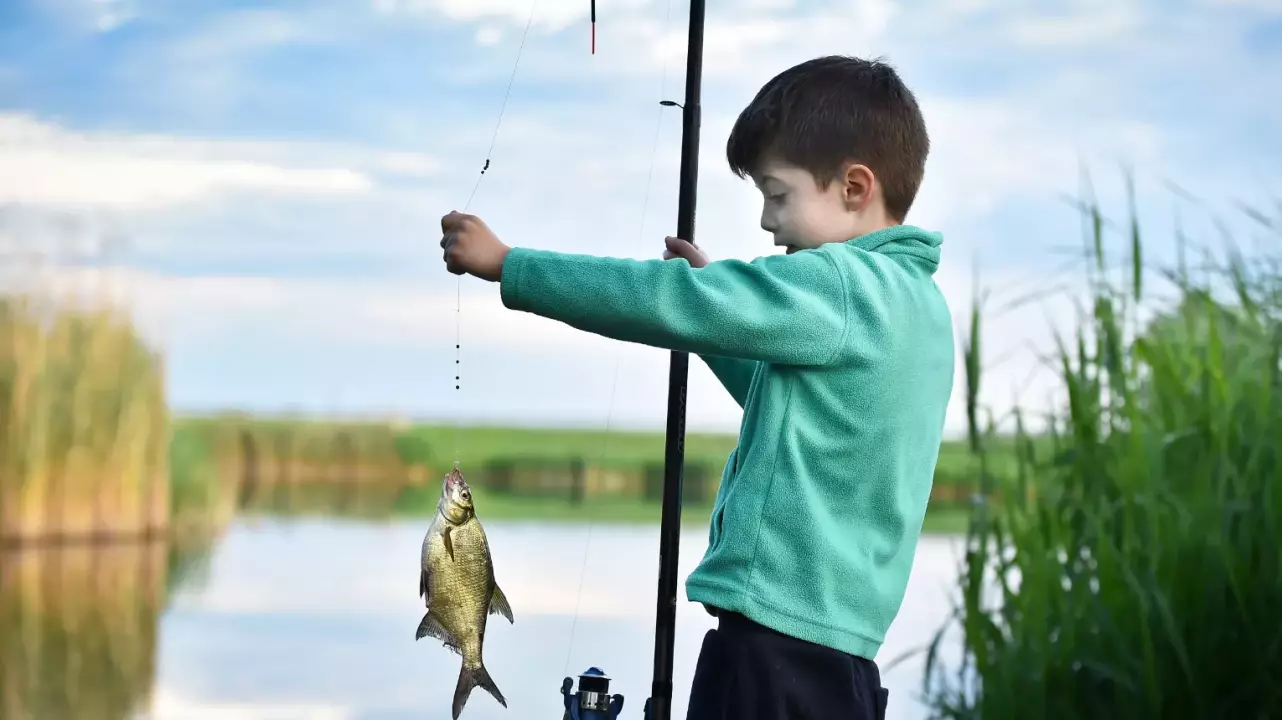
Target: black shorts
[[749, 672]]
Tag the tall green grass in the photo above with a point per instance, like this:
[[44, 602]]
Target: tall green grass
[[1143, 579]]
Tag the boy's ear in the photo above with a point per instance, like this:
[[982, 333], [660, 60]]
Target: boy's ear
[[857, 185]]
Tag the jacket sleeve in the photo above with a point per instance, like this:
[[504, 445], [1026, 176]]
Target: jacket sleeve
[[783, 309], [735, 375]]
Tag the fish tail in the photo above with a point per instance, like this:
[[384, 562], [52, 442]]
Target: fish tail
[[469, 678]]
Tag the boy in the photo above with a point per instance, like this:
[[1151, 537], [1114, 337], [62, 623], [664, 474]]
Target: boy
[[840, 352]]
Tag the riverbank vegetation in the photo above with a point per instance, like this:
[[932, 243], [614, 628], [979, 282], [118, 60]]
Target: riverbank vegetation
[[83, 423], [1143, 577], [530, 473]]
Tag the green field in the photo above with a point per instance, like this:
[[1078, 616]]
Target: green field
[[479, 446], [421, 501], [428, 452]]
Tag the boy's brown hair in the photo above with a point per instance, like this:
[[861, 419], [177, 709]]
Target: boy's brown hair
[[824, 112]]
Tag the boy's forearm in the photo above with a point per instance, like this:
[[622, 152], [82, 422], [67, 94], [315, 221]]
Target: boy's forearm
[[789, 310]]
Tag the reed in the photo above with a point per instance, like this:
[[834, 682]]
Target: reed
[[1143, 577], [83, 422]]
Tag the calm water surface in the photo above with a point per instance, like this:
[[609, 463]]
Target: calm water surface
[[315, 619]]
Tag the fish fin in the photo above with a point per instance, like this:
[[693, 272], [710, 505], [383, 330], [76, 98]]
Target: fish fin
[[449, 544], [499, 604], [468, 679], [429, 626], [423, 586]]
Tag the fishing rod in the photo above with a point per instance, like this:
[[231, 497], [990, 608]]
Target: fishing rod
[[659, 706], [592, 701]]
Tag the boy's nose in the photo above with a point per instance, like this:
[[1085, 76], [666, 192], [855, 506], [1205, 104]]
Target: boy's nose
[[768, 223]]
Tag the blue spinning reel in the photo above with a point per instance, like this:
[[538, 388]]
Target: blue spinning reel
[[593, 700]]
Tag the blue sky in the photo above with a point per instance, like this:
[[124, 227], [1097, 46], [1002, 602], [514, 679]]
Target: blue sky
[[276, 172]]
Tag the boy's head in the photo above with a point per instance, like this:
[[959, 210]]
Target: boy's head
[[837, 146]]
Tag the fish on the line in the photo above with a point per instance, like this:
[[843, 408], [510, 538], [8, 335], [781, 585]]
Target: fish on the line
[[456, 581]]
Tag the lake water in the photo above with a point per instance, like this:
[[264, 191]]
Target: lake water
[[314, 619]]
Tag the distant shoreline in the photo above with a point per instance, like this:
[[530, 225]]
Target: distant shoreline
[[419, 502]]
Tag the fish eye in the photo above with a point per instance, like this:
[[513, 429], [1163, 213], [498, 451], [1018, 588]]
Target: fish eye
[[467, 495]]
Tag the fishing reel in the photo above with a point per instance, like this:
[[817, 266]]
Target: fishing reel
[[593, 700]]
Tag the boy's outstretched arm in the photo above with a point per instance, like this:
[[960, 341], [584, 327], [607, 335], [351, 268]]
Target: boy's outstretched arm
[[735, 374], [790, 310]]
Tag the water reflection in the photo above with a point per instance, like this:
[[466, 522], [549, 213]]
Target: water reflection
[[79, 625], [295, 613], [310, 619], [358, 500]]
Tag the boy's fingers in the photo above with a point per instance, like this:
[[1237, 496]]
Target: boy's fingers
[[681, 248], [451, 264], [452, 220]]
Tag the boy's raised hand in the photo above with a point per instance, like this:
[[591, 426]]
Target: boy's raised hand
[[471, 247], [678, 248]]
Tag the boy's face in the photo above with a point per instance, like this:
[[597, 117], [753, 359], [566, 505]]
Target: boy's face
[[801, 215]]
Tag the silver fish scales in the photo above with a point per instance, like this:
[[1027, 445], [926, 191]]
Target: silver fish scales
[[456, 581]]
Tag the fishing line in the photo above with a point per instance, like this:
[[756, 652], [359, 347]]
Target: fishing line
[[618, 358], [458, 280]]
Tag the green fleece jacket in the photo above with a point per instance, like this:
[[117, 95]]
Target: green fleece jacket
[[842, 359]]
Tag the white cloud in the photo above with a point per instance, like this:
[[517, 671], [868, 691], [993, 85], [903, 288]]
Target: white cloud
[[488, 35], [111, 14], [987, 152], [1268, 6], [1088, 24], [42, 163], [239, 31], [46, 164], [742, 45], [407, 164], [92, 16], [549, 15]]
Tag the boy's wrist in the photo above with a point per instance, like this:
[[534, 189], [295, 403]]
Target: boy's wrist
[[503, 254], [509, 278]]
